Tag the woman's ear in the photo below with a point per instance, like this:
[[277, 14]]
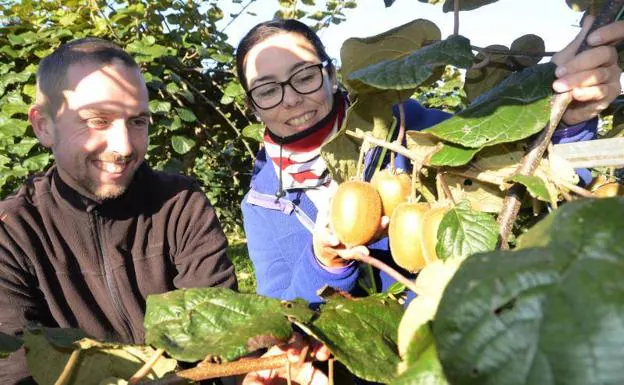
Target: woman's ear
[[43, 125]]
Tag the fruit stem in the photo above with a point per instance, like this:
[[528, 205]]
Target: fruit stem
[[69, 368], [388, 270], [363, 148]]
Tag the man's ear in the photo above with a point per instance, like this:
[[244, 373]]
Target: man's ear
[[42, 124]]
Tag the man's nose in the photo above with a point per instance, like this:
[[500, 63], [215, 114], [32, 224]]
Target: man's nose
[[118, 138]]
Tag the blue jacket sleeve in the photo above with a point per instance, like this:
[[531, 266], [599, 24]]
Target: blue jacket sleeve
[[283, 259], [578, 133]]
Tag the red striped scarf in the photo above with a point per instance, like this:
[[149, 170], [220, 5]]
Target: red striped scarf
[[300, 160]]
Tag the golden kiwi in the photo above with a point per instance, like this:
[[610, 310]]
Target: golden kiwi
[[393, 188], [355, 213], [405, 232], [608, 190], [429, 238]]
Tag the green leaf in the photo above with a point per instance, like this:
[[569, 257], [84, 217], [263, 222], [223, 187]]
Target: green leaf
[[159, 107], [361, 334], [8, 345], [254, 131], [453, 155], [36, 162], [48, 350], [543, 315], [357, 53], [146, 50], [24, 146], [182, 144], [535, 186], [412, 70], [185, 114], [12, 127], [193, 324], [516, 109], [464, 231]]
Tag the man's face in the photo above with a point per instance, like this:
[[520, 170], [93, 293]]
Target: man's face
[[99, 136]]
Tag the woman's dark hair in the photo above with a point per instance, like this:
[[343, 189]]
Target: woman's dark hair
[[269, 28]]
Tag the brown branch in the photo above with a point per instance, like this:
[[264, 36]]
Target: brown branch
[[388, 270], [69, 368], [447, 191], [382, 143], [208, 371], [145, 369]]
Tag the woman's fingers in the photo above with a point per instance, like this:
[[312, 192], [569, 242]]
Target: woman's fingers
[[609, 34]]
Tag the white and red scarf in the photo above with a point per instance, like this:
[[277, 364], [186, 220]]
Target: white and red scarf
[[302, 166]]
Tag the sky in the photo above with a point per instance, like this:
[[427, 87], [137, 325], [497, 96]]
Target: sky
[[498, 23]]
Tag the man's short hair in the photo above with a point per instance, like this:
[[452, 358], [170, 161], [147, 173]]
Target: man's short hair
[[52, 71]]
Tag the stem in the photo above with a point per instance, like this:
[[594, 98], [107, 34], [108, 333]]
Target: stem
[[358, 172], [382, 143], [511, 204], [236, 16], [138, 376], [456, 17], [388, 270], [574, 188], [69, 368], [330, 373], [511, 52], [208, 371], [445, 187], [400, 135]]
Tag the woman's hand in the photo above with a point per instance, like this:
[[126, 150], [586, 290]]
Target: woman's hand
[[330, 252], [300, 354], [592, 76]]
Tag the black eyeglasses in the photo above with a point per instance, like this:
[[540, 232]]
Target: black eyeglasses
[[305, 81]]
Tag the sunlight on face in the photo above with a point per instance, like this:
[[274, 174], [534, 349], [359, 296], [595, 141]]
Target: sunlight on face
[[100, 131], [276, 59]]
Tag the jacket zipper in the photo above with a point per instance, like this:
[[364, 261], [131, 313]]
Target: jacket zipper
[[112, 288]]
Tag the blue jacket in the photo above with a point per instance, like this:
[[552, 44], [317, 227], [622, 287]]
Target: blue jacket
[[279, 232]]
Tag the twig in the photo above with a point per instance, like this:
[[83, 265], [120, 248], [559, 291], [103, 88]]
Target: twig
[[236, 16], [208, 371], [574, 188], [138, 376], [445, 187], [330, 372], [456, 17], [511, 52], [68, 370], [382, 143], [363, 149], [388, 270]]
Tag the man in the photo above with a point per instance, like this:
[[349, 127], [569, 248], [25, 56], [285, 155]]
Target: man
[[85, 243]]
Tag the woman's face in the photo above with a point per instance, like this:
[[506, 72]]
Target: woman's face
[[276, 59]]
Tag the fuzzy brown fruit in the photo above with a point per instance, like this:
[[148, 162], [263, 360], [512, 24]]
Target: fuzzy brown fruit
[[405, 232], [608, 190], [355, 214], [393, 188], [431, 223]]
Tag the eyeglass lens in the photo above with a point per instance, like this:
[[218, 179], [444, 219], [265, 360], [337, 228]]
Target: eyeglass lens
[[305, 81]]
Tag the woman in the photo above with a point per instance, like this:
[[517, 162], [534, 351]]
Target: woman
[[291, 86]]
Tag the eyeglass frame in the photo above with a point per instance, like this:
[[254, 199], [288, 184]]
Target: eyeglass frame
[[283, 84]]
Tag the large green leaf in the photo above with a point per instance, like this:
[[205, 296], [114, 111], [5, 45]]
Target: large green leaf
[[464, 231], [357, 53], [254, 131], [361, 333], [193, 324], [8, 344], [421, 365], [48, 350], [416, 68], [527, 43], [543, 315], [516, 109]]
